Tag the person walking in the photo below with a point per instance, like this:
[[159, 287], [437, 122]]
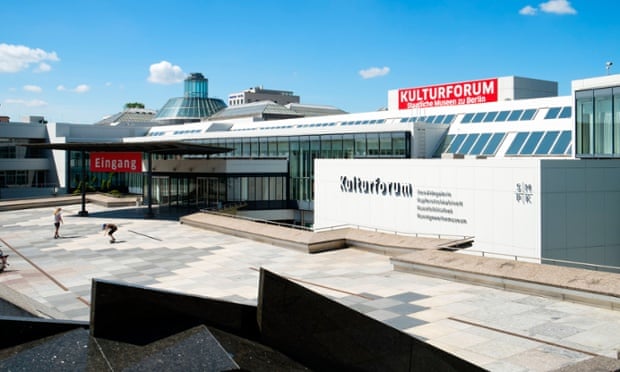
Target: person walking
[[109, 229], [57, 221]]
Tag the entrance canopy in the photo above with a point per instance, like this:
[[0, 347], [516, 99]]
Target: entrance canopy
[[154, 147], [159, 147]]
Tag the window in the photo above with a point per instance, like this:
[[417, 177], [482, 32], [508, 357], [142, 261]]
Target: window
[[566, 112], [480, 144], [584, 120], [372, 140], [385, 144], [562, 143], [467, 118], [449, 119], [552, 113], [603, 121], [531, 143], [444, 145], [456, 143], [360, 145], [517, 142], [478, 117], [469, 142], [547, 142], [494, 143], [502, 116], [515, 115], [490, 116], [528, 114]]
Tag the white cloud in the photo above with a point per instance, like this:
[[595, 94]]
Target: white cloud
[[165, 73], [528, 10], [82, 88], [32, 88], [15, 58], [557, 7], [43, 67], [31, 103], [551, 6], [374, 72]]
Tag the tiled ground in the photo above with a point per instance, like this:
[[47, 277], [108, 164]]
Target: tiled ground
[[498, 330]]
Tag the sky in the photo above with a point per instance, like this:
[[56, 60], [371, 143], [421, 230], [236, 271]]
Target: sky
[[79, 61]]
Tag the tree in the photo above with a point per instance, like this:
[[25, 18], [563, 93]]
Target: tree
[[130, 105]]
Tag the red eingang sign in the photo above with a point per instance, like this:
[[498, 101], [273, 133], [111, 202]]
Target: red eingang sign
[[121, 162]]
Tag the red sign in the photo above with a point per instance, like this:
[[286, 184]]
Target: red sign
[[121, 162], [464, 93]]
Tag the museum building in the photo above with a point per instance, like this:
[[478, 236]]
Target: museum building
[[505, 162]]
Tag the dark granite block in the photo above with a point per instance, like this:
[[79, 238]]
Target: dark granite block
[[139, 315], [64, 352], [19, 330], [254, 356], [193, 350], [325, 335], [9, 309]]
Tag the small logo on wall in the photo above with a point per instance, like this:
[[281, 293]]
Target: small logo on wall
[[523, 193]]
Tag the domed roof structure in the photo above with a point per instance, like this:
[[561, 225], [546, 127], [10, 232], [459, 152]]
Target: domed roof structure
[[194, 105]]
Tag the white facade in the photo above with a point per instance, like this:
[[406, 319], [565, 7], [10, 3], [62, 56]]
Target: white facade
[[451, 197], [562, 209]]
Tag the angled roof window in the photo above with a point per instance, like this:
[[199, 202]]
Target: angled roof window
[[502, 116], [517, 142], [469, 142], [531, 143], [566, 112], [546, 143], [562, 144], [456, 143], [528, 114], [552, 113], [490, 116], [480, 144], [494, 143], [467, 118]]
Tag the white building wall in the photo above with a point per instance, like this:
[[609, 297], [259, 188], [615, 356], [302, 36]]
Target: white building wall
[[456, 197]]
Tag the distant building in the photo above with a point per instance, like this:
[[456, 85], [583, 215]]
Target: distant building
[[193, 106], [281, 97]]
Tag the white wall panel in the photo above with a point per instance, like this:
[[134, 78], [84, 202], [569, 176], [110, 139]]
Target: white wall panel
[[460, 197]]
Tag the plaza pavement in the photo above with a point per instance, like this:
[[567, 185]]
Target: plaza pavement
[[495, 329]]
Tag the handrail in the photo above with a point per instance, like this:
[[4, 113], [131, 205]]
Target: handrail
[[543, 260]]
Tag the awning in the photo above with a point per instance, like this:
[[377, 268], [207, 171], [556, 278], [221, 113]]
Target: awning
[[159, 147]]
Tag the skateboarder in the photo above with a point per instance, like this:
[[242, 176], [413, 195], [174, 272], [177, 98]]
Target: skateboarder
[[109, 229]]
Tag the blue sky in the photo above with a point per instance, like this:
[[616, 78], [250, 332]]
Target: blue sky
[[78, 61]]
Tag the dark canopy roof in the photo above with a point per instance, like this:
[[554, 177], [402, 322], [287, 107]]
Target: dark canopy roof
[[160, 147]]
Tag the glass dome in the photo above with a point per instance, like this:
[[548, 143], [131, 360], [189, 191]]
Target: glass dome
[[194, 105]]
